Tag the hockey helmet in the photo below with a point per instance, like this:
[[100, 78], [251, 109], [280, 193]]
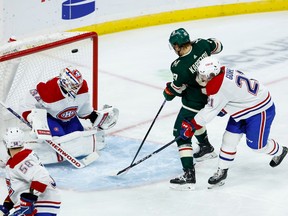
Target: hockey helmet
[[208, 68], [71, 80], [179, 37], [13, 138]]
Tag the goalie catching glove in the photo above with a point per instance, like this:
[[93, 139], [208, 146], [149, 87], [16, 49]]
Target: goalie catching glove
[[104, 119]]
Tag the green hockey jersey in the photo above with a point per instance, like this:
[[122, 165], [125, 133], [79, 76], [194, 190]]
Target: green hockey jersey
[[184, 70]]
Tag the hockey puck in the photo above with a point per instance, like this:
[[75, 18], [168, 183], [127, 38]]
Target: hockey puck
[[74, 50]]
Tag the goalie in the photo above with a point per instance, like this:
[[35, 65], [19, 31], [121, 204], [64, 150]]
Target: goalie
[[58, 109]]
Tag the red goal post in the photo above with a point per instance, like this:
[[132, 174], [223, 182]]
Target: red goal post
[[25, 62]]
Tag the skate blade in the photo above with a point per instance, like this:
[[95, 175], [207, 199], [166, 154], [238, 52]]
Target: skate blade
[[206, 157], [220, 184], [183, 187]]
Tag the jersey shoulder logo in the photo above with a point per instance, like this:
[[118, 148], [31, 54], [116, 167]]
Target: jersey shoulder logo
[[175, 63]]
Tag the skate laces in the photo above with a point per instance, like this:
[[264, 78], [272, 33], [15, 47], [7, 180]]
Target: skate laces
[[218, 174], [276, 158], [182, 177], [185, 176]]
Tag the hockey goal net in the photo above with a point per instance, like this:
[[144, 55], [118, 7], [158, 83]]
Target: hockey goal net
[[24, 63]]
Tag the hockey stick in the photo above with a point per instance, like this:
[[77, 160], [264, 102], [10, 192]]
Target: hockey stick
[[148, 132], [59, 149], [148, 156]]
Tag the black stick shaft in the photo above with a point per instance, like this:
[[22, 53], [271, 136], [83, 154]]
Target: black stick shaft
[[148, 156], [148, 132]]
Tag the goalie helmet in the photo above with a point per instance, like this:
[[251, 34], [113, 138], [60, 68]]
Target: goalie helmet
[[208, 68], [13, 138], [71, 81], [179, 37]]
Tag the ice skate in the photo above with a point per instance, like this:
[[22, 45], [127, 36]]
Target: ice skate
[[218, 179], [185, 182], [206, 152], [276, 160]]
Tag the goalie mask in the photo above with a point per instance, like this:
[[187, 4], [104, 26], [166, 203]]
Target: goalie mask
[[71, 81], [13, 138], [208, 68]]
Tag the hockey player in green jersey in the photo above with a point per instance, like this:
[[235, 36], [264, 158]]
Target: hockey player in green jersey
[[187, 86]]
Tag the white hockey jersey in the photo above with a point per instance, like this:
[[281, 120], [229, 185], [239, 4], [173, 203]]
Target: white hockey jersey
[[49, 96], [236, 94], [24, 171]]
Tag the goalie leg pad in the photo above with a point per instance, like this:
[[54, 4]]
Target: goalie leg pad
[[99, 134]]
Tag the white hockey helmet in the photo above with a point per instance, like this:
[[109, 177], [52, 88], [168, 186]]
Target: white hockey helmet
[[13, 138], [208, 68], [71, 81]]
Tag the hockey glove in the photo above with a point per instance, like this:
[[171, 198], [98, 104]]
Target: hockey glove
[[3, 210], [222, 113], [104, 119], [188, 128], [167, 93], [6, 207], [27, 207]]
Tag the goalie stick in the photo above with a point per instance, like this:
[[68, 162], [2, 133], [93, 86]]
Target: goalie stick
[[59, 149], [148, 156]]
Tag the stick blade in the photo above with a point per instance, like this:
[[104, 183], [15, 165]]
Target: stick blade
[[90, 158]]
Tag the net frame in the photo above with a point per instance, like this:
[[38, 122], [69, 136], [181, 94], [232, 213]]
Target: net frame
[[23, 48]]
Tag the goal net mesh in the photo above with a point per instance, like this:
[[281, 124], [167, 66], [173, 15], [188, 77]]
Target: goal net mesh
[[26, 62]]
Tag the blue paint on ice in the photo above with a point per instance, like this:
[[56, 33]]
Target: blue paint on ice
[[117, 155]]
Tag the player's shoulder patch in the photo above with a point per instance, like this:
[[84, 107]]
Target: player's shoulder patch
[[215, 83], [176, 67], [175, 64]]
